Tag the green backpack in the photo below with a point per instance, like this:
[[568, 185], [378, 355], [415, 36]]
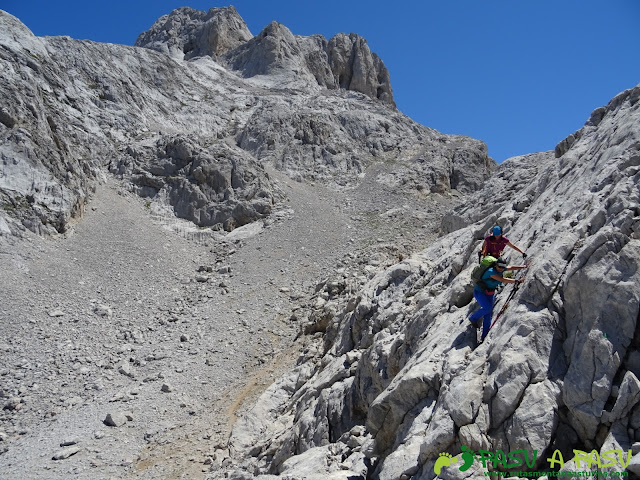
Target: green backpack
[[479, 270]]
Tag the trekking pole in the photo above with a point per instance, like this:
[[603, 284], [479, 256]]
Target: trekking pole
[[506, 303], [512, 294]]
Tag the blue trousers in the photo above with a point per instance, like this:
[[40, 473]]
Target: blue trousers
[[486, 302]]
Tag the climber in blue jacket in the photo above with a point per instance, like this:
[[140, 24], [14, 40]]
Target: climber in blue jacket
[[484, 293]]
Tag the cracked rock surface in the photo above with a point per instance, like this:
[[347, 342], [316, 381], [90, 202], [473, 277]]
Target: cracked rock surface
[[398, 361]]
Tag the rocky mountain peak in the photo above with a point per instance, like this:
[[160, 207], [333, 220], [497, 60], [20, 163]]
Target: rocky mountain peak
[[304, 105], [272, 50], [345, 61], [187, 33]]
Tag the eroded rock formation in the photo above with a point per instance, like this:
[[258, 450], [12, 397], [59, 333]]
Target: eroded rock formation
[[395, 379]]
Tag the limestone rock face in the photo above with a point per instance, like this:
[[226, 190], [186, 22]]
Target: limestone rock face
[[344, 61], [322, 136], [193, 136], [355, 67], [188, 33], [558, 371], [49, 162], [218, 186], [275, 54]]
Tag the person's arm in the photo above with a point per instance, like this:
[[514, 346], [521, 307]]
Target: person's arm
[[516, 249], [484, 247], [517, 267], [506, 280]]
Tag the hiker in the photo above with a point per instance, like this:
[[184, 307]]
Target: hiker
[[485, 289], [495, 243]]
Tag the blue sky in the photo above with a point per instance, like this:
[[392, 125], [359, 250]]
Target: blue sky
[[518, 74]]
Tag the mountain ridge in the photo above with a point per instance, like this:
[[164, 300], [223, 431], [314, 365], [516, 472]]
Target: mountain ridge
[[143, 96], [341, 62]]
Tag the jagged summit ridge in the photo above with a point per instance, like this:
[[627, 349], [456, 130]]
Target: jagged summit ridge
[[344, 61]]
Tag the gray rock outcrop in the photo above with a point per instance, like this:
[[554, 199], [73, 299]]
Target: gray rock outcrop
[[49, 162], [219, 186], [557, 372], [355, 67]]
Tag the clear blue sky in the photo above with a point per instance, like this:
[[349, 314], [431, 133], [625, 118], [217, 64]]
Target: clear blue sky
[[518, 74]]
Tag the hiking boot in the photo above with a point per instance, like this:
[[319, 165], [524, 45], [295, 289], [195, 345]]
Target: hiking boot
[[474, 324]]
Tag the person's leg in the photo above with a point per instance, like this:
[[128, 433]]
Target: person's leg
[[475, 316], [488, 315], [486, 305]]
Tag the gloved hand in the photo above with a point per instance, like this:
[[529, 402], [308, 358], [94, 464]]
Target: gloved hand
[[524, 256]]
